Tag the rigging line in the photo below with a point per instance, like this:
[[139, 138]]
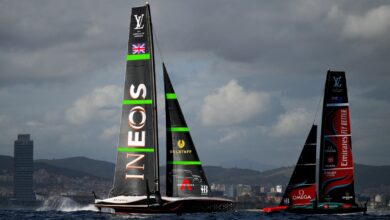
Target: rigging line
[[318, 105], [158, 45], [156, 39]]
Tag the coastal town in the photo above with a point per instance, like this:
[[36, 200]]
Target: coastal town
[[55, 182]]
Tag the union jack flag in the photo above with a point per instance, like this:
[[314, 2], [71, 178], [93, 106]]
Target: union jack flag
[[138, 48]]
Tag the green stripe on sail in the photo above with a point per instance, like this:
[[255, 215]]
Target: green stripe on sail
[[137, 102], [135, 149], [170, 96], [178, 129], [132, 57], [176, 162]]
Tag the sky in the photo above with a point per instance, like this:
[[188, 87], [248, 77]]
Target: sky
[[249, 75]]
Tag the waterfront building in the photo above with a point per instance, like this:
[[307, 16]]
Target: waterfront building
[[23, 168]]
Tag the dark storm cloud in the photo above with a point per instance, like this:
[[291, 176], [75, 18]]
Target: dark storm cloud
[[58, 40], [56, 56], [36, 25], [278, 37], [286, 42]]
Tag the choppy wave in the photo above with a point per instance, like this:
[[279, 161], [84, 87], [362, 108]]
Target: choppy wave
[[379, 212], [66, 208], [239, 215], [64, 204]]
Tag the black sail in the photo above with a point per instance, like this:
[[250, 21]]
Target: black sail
[[301, 189], [185, 175], [336, 179], [136, 168]]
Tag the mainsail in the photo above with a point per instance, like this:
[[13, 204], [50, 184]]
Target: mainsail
[[336, 181], [301, 189], [185, 176], [136, 171]]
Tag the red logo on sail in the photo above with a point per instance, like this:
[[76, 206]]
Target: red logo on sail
[[185, 183], [138, 48], [302, 196]]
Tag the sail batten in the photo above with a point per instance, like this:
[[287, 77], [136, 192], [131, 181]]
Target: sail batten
[[337, 105], [178, 129], [137, 102], [170, 96], [185, 162], [132, 57], [129, 149]]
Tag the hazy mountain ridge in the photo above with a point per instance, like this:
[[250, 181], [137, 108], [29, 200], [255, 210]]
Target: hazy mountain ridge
[[7, 166], [93, 167], [246, 163], [53, 179], [366, 176]]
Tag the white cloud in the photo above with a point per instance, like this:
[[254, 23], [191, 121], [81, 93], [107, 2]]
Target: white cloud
[[33, 123], [110, 133], [238, 133], [3, 118], [231, 104], [372, 24], [334, 13], [234, 134], [291, 123], [100, 102]]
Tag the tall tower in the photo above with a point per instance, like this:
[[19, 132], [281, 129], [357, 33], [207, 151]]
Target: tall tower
[[23, 167]]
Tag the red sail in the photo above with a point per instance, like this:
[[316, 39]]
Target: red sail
[[336, 185]]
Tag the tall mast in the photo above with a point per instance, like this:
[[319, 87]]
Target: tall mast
[[153, 76]]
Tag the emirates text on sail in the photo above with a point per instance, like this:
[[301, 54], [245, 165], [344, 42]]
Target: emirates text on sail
[[344, 131]]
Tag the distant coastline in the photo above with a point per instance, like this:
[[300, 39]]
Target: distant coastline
[[76, 177]]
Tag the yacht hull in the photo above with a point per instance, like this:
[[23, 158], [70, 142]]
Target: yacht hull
[[141, 204], [270, 210], [328, 211]]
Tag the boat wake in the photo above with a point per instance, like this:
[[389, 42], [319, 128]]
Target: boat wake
[[64, 204], [379, 212]]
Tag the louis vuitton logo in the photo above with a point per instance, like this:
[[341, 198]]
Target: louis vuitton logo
[[139, 19], [337, 81]]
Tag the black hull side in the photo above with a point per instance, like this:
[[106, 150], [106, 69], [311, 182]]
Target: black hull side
[[179, 206], [328, 211]]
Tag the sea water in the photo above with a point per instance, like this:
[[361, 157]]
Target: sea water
[[65, 208], [240, 214]]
